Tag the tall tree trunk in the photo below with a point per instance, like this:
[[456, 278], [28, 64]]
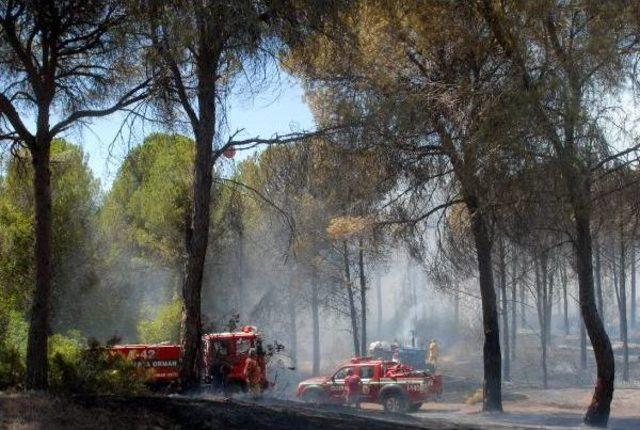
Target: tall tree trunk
[[506, 364], [549, 303], [197, 231], [363, 299], [514, 286], [379, 298], [523, 304], [541, 276], [600, 407], [633, 305], [37, 351], [293, 325], [622, 303], [565, 299], [600, 302], [615, 287], [353, 314], [492, 398], [197, 242], [315, 317]]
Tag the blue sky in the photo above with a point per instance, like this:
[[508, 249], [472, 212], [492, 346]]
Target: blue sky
[[278, 107]]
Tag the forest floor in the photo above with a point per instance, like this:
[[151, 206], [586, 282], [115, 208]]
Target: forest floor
[[36, 412], [524, 409]]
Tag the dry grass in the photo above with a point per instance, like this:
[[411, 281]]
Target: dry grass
[[474, 398]]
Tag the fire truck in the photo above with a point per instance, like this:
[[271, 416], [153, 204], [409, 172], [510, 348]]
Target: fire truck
[[160, 363], [225, 355], [397, 387], [223, 358]]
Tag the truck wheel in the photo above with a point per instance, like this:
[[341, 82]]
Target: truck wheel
[[415, 407], [312, 396], [394, 403]]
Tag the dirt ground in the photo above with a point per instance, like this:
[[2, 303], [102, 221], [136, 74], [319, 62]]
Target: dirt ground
[[40, 412], [524, 409], [557, 408]]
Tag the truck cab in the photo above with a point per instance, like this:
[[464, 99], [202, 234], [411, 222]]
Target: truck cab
[[225, 355]]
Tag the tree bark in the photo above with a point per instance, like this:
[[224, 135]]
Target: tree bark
[[492, 390], [600, 306], [197, 242], [506, 364], [622, 304], [598, 411], [315, 317], [197, 232], [549, 303], [350, 296], [363, 300], [37, 348], [565, 299], [633, 306], [541, 280], [523, 308], [514, 319], [615, 286]]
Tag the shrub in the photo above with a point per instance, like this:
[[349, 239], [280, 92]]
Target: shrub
[[12, 368], [475, 397], [94, 371], [13, 350]]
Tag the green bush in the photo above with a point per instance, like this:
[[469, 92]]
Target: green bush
[[12, 368], [94, 371], [73, 368], [13, 350], [165, 327]]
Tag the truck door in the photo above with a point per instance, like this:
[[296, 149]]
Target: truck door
[[370, 383], [336, 385]]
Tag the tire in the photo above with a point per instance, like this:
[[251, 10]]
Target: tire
[[394, 403], [415, 407], [313, 396]]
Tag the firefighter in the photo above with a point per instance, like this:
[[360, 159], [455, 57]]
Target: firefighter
[[352, 386], [395, 351], [253, 374], [434, 352]]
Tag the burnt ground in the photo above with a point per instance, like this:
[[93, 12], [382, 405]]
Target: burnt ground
[[31, 412]]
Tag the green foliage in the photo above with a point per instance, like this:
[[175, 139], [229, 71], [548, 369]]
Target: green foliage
[[74, 203], [15, 336], [147, 206], [12, 368], [13, 348], [164, 327], [92, 371]]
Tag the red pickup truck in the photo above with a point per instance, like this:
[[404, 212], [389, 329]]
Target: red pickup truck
[[397, 387]]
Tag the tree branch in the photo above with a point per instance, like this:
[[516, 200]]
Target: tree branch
[[423, 216], [126, 100], [8, 110]]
